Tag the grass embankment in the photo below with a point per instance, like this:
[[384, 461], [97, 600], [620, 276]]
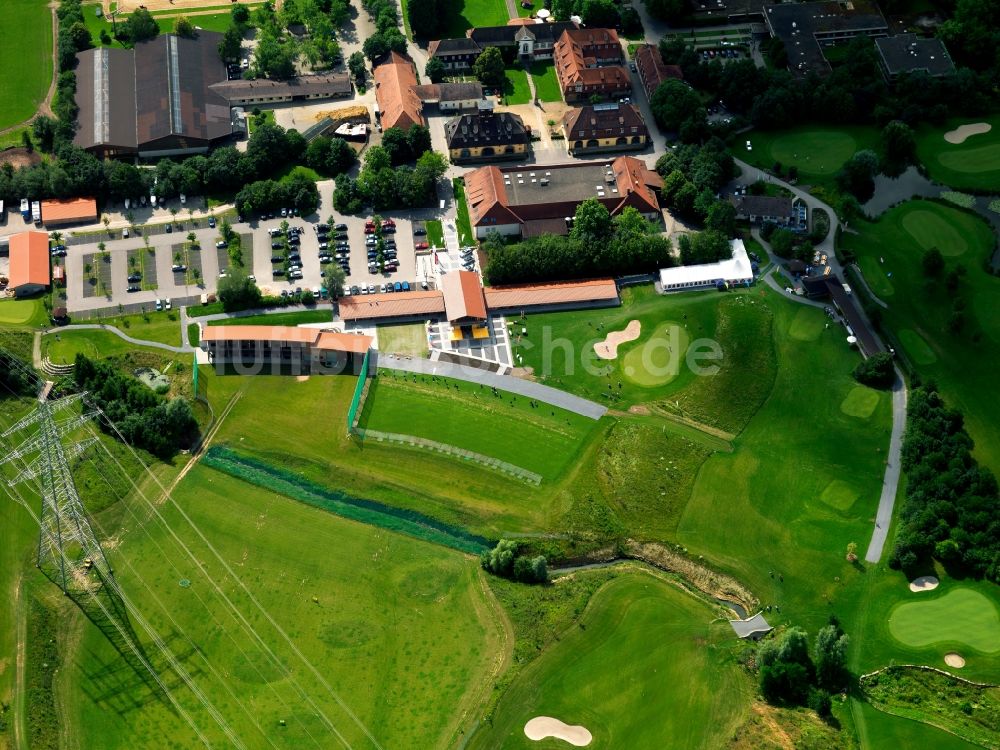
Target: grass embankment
[[345, 593], [542, 439], [319, 315], [515, 88], [546, 82], [962, 362], [462, 222], [973, 164], [25, 59], [623, 672]]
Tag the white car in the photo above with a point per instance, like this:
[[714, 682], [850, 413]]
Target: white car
[[166, 303], [159, 305], [152, 200], [183, 199], [749, 147]]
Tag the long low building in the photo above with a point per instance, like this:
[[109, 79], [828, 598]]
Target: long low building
[[734, 271], [62, 212], [253, 349], [557, 295]]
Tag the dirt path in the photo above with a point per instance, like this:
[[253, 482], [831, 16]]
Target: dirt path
[[779, 734], [21, 614]]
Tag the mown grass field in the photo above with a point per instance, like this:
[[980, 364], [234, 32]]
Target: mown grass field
[[963, 363], [515, 89], [163, 327], [541, 439], [25, 58], [435, 233], [960, 615], [167, 22], [298, 317], [624, 673], [817, 152], [973, 164], [22, 312], [408, 339], [461, 15], [546, 82], [62, 346], [881, 730], [406, 639]]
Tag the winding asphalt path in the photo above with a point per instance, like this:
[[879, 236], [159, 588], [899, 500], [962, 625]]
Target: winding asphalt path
[[119, 334], [527, 388]]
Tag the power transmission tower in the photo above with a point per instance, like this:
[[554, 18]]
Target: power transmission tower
[[69, 553]]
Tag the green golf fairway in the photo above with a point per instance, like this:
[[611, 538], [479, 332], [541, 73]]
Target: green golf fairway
[[657, 360], [960, 616], [931, 230], [814, 151]]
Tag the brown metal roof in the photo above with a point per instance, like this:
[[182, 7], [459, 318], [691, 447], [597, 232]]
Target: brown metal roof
[[513, 297], [105, 94], [398, 305], [463, 296]]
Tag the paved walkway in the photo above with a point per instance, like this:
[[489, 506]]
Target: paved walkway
[[527, 388], [119, 334], [890, 481]]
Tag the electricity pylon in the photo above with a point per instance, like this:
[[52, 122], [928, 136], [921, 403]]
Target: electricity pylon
[[69, 553]]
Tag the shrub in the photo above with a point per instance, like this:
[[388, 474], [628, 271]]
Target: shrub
[[877, 371]]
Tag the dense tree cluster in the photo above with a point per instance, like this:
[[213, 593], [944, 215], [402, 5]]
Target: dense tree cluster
[[145, 419], [878, 371], [388, 36], [704, 247], [237, 291], [598, 245], [489, 68], [973, 35], [297, 191], [854, 92], [789, 675], [504, 560], [600, 14], [406, 145], [15, 376], [384, 186], [73, 34], [140, 26], [679, 109], [692, 177], [949, 512], [330, 156]]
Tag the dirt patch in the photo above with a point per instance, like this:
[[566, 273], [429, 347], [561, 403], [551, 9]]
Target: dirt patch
[[301, 378], [525, 373], [923, 583], [608, 349], [954, 660], [545, 726], [779, 735], [19, 157], [959, 134], [640, 409]]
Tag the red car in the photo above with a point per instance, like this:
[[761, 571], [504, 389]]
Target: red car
[[421, 246], [369, 230], [388, 223]]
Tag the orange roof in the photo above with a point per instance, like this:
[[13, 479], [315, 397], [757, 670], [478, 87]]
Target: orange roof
[[394, 82], [532, 295], [463, 296], [29, 259], [316, 337], [397, 305], [69, 210]]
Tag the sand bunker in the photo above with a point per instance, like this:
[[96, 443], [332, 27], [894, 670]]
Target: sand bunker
[[959, 134], [545, 726], [954, 660], [608, 349], [923, 583]]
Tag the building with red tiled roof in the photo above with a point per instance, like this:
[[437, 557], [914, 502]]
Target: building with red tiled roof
[[535, 200], [298, 349], [651, 68], [398, 306], [29, 263], [590, 62], [60, 212], [552, 296], [398, 105]]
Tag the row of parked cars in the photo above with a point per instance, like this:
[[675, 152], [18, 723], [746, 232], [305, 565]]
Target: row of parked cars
[[388, 287]]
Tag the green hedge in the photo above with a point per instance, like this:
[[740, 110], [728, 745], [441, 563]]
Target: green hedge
[[340, 503]]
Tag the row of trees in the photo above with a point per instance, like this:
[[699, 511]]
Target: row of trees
[[949, 512], [597, 245], [384, 186], [388, 36], [504, 561], [145, 419], [790, 674], [297, 191]]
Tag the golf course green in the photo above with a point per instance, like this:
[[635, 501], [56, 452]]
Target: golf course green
[[960, 616], [657, 359], [817, 152], [642, 668]]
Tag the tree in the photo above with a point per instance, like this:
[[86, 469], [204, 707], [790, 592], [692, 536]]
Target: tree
[[80, 37], [335, 280], [831, 658], [425, 18], [783, 242], [435, 70], [240, 15], [231, 44], [44, 130], [140, 26], [418, 139], [675, 104], [899, 147], [877, 371], [500, 559], [857, 175], [599, 14], [933, 263], [237, 292], [356, 64], [183, 27], [722, 218], [592, 223], [489, 68], [668, 10]]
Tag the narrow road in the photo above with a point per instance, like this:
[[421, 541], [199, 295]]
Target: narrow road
[[527, 388], [890, 481]]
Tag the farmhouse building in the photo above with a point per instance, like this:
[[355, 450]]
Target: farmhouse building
[[297, 349], [604, 127], [651, 68], [450, 97], [737, 270], [589, 63], [784, 211], [908, 53], [455, 54], [486, 135], [29, 263], [62, 212], [530, 201], [534, 41], [397, 105], [806, 28], [302, 88]]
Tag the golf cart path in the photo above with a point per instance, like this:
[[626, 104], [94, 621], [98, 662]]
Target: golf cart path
[[527, 388], [119, 334], [890, 481]]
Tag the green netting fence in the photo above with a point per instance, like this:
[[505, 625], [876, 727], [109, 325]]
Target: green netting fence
[[359, 391], [299, 488]]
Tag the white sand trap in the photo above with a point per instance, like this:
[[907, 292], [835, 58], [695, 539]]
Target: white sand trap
[[954, 660], [545, 726], [959, 134], [608, 349], [923, 583]]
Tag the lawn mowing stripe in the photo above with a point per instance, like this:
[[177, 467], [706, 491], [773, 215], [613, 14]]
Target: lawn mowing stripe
[[340, 503]]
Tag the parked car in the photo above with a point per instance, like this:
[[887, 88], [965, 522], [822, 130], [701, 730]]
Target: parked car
[[159, 305], [134, 288], [340, 227], [274, 231], [419, 231], [277, 258], [211, 222], [178, 268], [421, 246], [134, 278], [406, 286], [397, 287], [221, 244]]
